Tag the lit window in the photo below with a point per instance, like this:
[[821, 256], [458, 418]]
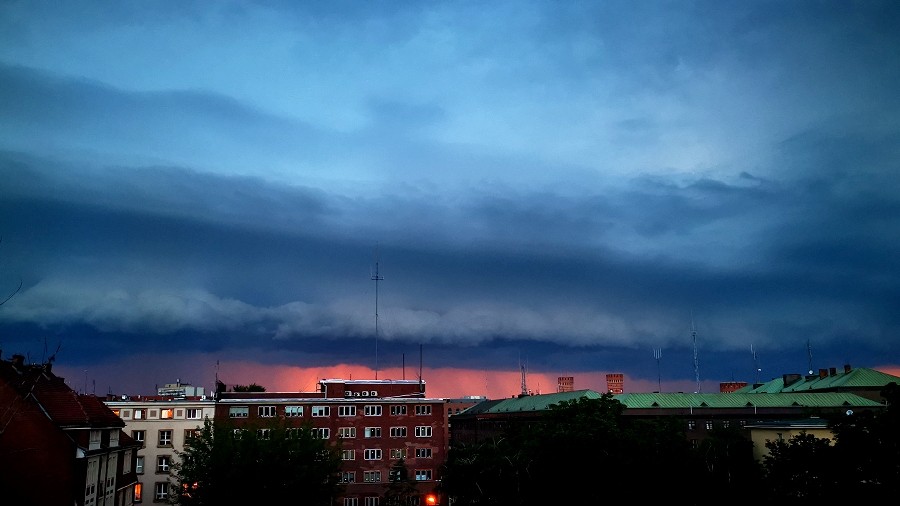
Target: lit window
[[709, 425], [266, 411], [692, 424], [423, 431], [320, 411], [238, 412], [373, 432], [139, 414], [423, 474], [292, 411], [138, 492], [115, 412], [166, 413], [424, 409]]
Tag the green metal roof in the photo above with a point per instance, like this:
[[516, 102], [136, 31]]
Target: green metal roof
[[740, 400], [855, 378], [539, 402]]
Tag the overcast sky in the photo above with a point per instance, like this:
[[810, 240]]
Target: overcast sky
[[576, 188]]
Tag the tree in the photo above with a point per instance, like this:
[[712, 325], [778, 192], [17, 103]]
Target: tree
[[401, 489], [252, 387], [257, 464], [800, 468]]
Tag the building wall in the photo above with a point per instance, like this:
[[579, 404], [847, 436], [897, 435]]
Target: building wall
[[154, 417]]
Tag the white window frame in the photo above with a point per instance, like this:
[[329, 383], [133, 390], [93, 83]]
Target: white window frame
[[139, 464], [165, 437], [163, 464], [161, 491], [346, 410], [351, 501], [238, 411], [423, 474], [371, 476], [193, 413], [321, 411], [348, 454], [293, 411], [321, 432], [372, 501], [373, 410], [423, 431], [398, 409], [348, 476], [346, 432], [423, 409], [398, 453], [372, 454], [266, 411], [166, 413], [398, 431], [372, 432], [424, 453]]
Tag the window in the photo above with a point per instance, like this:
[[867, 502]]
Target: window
[[424, 409], [398, 453], [709, 425], [398, 431], [373, 432], [398, 409], [190, 434], [372, 454], [115, 412], [126, 464], [138, 492], [166, 413], [373, 410], [346, 410], [293, 411], [266, 411], [351, 501], [423, 474], [238, 412], [114, 438], [371, 501], [95, 440], [153, 413], [138, 435], [140, 414], [321, 432], [692, 424], [348, 454], [126, 413], [726, 423], [139, 464], [161, 491], [346, 432], [193, 413], [263, 433], [321, 411], [348, 477], [372, 476], [423, 453], [165, 438], [179, 413], [423, 431], [163, 462], [291, 433]]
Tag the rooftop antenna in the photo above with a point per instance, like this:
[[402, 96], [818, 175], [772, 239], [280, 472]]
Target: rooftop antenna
[[376, 278], [403, 364], [696, 359], [809, 355], [524, 386], [657, 353], [420, 363], [756, 367]]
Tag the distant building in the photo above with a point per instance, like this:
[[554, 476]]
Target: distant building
[[615, 383], [731, 386], [161, 424], [565, 383], [58, 447], [377, 422]]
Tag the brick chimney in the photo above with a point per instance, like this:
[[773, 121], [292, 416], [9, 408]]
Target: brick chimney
[[823, 373], [846, 368]]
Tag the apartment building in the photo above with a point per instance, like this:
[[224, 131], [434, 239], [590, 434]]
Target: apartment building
[[378, 423], [161, 424], [59, 447]]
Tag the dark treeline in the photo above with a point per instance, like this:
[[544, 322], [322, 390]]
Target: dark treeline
[[586, 450]]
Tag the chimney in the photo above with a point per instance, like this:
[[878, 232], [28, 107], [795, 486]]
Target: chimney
[[823, 373], [832, 371], [790, 379], [846, 368]]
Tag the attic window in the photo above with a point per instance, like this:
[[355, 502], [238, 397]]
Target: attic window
[[795, 403], [704, 405], [748, 405], [846, 403], [655, 404]]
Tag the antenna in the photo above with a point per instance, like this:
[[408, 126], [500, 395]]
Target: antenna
[[376, 278], [524, 386], [403, 364], [696, 359], [657, 353], [420, 363], [756, 367], [809, 354]]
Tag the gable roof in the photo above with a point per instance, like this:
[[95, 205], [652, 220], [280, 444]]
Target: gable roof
[[859, 378], [741, 400]]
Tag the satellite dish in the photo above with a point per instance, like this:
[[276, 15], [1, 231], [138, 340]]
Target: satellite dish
[[849, 412]]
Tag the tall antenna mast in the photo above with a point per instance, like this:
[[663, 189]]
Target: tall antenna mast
[[809, 354], [756, 367], [696, 359], [376, 278], [524, 386], [657, 353]]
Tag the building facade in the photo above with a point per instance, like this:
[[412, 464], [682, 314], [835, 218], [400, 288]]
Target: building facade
[[160, 424], [58, 447], [377, 422]]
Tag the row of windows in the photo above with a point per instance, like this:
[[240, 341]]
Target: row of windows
[[160, 492], [396, 453], [160, 413], [324, 432], [322, 411], [375, 476], [692, 424]]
